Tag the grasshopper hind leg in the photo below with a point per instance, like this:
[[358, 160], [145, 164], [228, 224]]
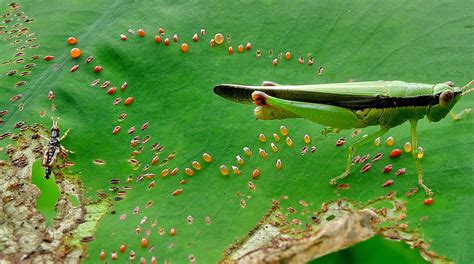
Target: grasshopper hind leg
[[269, 83], [352, 150], [414, 143]]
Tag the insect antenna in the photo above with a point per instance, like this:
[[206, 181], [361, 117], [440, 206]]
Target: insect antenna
[[465, 89], [55, 122]]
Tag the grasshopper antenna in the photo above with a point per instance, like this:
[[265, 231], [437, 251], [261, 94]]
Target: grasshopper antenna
[[465, 89], [55, 122]]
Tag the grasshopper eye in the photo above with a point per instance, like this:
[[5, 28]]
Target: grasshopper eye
[[446, 98]]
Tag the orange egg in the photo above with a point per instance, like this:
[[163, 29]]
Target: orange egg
[[102, 255], [123, 247], [112, 90], [128, 101], [189, 171], [165, 172], [172, 232], [207, 157], [240, 48], [141, 32], [72, 41], [248, 46], [219, 38], [278, 164], [144, 242], [184, 47], [75, 53], [177, 192], [256, 173], [196, 165], [174, 172], [224, 170]]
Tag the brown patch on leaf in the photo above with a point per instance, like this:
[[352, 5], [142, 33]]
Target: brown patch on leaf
[[25, 236], [338, 225]]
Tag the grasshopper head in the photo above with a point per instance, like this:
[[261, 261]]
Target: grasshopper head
[[55, 128], [448, 94]]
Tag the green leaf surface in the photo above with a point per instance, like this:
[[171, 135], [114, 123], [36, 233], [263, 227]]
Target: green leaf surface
[[364, 252], [413, 41]]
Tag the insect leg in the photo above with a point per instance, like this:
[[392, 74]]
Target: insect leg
[[327, 115], [45, 157], [66, 150], [459, 115], [268, 83], [45, 137], [65, 134], [414, 143], [353, 148], [465, 89]]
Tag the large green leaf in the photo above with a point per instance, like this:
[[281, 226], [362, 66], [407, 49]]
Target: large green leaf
[[360, 41]]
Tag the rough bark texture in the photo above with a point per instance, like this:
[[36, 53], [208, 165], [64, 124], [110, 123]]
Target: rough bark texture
[[338, 225], [24, 236]]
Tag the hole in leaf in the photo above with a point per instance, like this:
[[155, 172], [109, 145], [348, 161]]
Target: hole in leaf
[[49, 192]]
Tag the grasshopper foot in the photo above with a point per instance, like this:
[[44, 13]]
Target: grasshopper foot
[[333, 181], [459, 115], [428, 191]]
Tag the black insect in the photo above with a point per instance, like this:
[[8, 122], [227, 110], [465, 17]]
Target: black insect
[[53, 149]]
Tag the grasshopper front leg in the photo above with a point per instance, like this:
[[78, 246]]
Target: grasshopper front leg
[[414, 143], [465, 90], [352, 150], [65, 134], [459, 115]]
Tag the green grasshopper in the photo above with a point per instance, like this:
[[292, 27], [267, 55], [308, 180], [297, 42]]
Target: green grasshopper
[[353, 105]]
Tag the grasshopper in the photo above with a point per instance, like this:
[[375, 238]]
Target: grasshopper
[[353, 105], [53, 149]]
